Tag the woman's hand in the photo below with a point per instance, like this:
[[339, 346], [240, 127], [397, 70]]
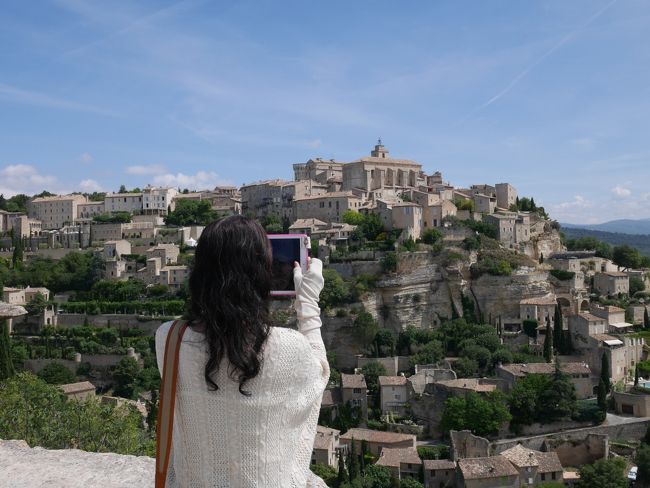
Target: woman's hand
[[308, 287]]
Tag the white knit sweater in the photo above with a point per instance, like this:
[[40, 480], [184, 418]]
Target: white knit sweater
[[225, 439]]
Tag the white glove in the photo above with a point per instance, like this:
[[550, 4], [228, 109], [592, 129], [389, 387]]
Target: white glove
[[308, 287]]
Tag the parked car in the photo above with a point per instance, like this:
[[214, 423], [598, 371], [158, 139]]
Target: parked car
[[632, 474]]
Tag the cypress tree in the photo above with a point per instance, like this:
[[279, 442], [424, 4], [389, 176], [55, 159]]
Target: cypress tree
[[353, 468], [602, 396], [605, 373], [646, 319], [342, 476], [6, 364], [548, 349], [558, 332]]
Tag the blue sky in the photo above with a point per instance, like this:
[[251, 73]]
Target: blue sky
[[552, 96]]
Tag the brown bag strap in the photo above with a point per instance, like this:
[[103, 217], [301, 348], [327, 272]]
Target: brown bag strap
[[167, 400]]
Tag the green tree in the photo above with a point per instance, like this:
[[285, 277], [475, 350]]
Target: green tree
[[602, 396], [371, 372], [325, 472], [342, 475], [6, 364], [551, 484], [113, 218], [122, 189], [335, 290], [523, 400], [192, 212], [377, 477], [636, 285], [548, 342], [125, 378], [353, 462], [385, 338], [431, 236], [642, 460], [558, 331], [466, 367], [605, 473], [389, 262], [36, 305], [626, 256], [429, 353], [57, 374], [40, 414], [410, 483], [366, 328], [605, 373], [559, 400], [646, 318], [482, 415], [17, 256], [352, 217], [530, 327]]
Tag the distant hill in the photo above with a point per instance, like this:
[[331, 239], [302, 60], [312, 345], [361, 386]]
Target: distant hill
[[641, 242], [623, 226]]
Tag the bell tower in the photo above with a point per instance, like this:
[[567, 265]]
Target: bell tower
[[380, 151]]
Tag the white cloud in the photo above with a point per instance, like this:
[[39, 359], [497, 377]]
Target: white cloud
[[85, 158], [23, 178], [89, 186], [621, 191], [315, 143], [578, 202], [200, 180], [585, 143], [149, 169]]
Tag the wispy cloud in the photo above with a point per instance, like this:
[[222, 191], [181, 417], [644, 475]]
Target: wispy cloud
[[149, 169], [90, 186], [621, 191], [24, 178], [200, 180], [85, 158], [13, 94], [538, 61]]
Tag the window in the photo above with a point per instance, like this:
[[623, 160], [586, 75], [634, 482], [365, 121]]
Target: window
[[357, 390], [543, 476]]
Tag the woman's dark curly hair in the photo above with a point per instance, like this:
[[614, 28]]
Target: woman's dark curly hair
[[230, 287]]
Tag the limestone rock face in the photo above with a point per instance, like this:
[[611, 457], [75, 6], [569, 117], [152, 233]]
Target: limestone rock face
[[24, 467], [499, 296]]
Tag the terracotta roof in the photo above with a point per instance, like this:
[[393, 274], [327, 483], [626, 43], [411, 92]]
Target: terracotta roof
[[396, 456], [335, 194], [302, 223], [590, 317], [353, 381], [436, 464], [377, 436], [473, 384], [392, 380], [549, 462], [522, 369], [486, 467], [325, 437], [77, 387], [520, 456], [331, 397]]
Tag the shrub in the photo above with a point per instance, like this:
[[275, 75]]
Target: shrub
[[389, 262], [431, 236], [562, 275]]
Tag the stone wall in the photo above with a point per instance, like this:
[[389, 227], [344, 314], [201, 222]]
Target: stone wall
[[24, 467], [574, 452], [393, 364], [355, 268], [634, 429], [117, 321]]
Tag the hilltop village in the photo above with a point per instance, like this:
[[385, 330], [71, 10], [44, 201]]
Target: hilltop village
[[470, 344]]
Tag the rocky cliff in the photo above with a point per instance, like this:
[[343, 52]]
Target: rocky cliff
[[24, 467]]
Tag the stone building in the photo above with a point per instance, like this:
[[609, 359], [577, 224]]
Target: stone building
[[439, 473], [487, 472], [512, 228], [484, 204], [506, 195], [406, 216], [380, 176], [327, 446], [78, 391], [355, 391], [23, 226], [393, 393], [402, 462], [87, 210], [276, 197], [377, 440], [434, 208], [534, 467], [612, 283], [632, 403], [328, 207], [56, 211], [158, 201], [116, 249], [319, 170], [615, 317], [115, 232], [541, 309], [168, 253], [579, 373], [123, 202]]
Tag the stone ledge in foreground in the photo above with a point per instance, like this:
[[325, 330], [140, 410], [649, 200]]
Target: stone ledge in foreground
[[25, 467]]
